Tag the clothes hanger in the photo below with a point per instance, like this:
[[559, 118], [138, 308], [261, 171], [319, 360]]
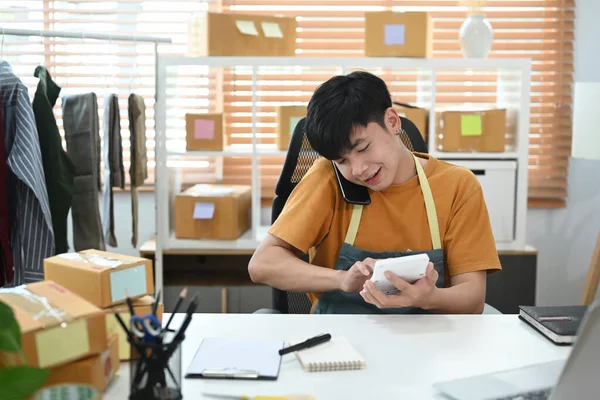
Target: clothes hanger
[[66, 85], [2, 45], [110, 65], [134, 71], [43, 63]]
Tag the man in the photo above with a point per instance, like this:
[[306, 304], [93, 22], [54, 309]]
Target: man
[[418, 205]]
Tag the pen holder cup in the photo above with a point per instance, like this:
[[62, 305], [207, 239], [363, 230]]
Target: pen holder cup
[[156, 373]]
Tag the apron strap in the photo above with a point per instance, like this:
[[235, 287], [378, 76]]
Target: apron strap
[[434, 229], [354, 222]]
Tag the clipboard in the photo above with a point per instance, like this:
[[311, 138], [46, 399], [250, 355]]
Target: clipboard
[[231, 358]]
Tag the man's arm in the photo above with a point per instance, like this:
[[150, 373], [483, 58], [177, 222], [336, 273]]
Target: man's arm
[[466, 295], [276, 263]]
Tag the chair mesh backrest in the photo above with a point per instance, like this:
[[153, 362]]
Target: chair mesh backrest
[[306, 158]]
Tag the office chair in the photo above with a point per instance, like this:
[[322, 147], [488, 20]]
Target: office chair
[[300, 157]]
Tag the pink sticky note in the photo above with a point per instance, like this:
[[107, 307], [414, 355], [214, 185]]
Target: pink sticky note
[[204, 129]]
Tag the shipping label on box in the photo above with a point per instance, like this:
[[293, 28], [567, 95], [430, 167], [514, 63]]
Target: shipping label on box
[[102, 278], [237, 34], [398, 34], [57, 326], [141, 307], [207, 211]]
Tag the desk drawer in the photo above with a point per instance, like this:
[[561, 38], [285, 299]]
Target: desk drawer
[[498, 182]]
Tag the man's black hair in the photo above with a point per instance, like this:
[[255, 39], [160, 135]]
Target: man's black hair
[[339, 106]]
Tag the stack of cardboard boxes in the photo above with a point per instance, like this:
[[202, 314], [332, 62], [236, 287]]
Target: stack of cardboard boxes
[[67, 321]]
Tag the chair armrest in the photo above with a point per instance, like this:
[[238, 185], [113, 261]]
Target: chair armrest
[[487, 309], [267, 311]]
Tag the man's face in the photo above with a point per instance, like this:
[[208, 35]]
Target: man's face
[[373, 159]]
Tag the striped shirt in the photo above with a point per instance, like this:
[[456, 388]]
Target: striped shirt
[[31, 223]]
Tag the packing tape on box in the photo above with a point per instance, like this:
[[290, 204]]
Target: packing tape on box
[[38, 307], [94, 259]]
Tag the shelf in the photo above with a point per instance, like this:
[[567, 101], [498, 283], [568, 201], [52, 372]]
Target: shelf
[[442, 155], [349, 62], [238, 151], [244, 242]]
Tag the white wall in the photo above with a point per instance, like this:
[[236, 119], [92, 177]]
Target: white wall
[[566, 237]]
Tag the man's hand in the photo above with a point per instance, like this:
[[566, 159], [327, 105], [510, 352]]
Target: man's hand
[[418, 294], [354, 279]]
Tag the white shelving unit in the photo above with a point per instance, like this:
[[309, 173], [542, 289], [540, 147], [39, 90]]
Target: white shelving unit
[[513, 81]]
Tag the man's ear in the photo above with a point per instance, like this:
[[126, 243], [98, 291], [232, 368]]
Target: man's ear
[[392, 120]]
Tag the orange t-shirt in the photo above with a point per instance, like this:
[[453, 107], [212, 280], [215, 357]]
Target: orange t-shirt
[[316, 217]]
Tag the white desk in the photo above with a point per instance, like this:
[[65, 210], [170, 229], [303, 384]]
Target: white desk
[[405, 355]]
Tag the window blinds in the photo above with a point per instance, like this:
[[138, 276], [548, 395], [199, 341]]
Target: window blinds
[[538, 29]]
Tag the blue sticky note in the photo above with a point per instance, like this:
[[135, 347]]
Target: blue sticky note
[[132, 280], [394, 34], [204, 210]]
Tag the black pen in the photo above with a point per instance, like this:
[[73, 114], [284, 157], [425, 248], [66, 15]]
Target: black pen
[[306, 344], [155, 305]]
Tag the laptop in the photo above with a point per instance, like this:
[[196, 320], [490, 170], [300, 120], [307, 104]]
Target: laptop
[[574, 378]]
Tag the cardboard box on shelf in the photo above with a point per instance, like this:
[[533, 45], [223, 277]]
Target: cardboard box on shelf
[[141, 307], [204, 131], [95, 372], [416, 115], [206, 211], [287, 118], [100, 277], [236, 34], [57, 326], [469, 131], [398, 34]]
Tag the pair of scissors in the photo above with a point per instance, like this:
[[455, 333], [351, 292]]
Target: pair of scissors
[[146, 328]]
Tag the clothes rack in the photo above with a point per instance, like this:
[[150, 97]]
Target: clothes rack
[[90, 35]]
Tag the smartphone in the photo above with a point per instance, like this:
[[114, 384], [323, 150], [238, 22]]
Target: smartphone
[[352, 192]]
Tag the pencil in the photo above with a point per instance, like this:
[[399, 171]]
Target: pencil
[[177, 305]]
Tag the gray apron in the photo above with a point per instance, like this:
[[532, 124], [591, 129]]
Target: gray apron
[[339, 302]]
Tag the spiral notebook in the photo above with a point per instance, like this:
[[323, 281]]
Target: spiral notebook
[[334, 355]]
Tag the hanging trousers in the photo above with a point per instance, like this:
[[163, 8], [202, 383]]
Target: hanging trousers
[[138, 171], [80, 119], [114, 175]]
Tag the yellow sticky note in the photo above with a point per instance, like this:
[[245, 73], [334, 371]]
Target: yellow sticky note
[[470, 125], [271, 29], [56, 345], [246, 27], [113, 326]]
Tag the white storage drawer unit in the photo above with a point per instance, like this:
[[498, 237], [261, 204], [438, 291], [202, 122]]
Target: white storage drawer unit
[[498, 180]]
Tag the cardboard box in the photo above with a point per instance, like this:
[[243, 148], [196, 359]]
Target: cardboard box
[[213, 212], [483, 131], [416, 115], [235, 34], [141, 307], [398, 34], [204, 131], [57, 326], [100, 277], [287, 118], [96, 372]]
